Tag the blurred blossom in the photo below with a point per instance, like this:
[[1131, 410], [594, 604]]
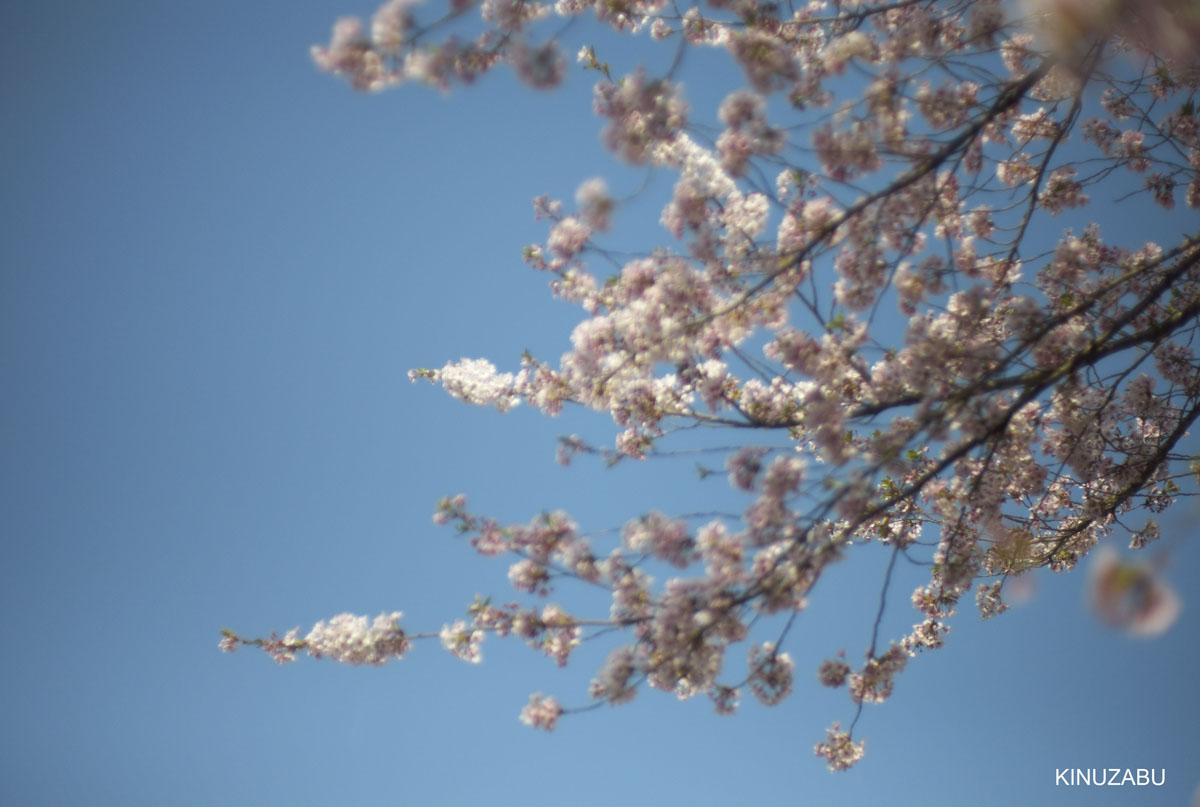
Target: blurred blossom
[[1131, 596], [1020, 590], [541, 67], [1165, 28]]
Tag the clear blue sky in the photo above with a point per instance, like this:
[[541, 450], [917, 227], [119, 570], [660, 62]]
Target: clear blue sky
[[216, 266]]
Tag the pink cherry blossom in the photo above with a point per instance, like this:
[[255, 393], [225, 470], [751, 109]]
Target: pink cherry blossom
[[541, 712], [833, 672], [839, 751], [541, 66], [351, 640]]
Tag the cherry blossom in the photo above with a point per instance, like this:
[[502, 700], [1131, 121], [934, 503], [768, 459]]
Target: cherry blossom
[[346, 638], [833, 672], [541, 713], [875, 283], [462, 641], [838, 749]]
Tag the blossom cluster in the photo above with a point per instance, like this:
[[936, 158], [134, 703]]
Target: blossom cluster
[[346, 638], [838, 749]]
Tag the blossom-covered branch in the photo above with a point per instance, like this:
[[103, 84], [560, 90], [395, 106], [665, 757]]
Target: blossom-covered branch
[[942, 371]]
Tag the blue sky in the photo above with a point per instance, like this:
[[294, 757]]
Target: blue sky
[[217, 266]]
